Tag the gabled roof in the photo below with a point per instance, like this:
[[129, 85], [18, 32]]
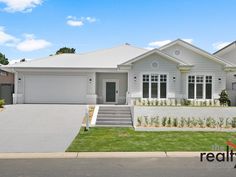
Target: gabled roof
[[224, 49], [107, 58], [157, 51], [197, 50]]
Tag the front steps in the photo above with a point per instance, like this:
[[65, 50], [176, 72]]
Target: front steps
[[114, 116]]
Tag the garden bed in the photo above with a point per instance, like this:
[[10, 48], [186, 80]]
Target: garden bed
[[184, 118]]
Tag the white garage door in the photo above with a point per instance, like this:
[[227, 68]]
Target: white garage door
[[55, 89]]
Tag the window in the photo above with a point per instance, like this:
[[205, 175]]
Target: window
[[208, 87], [163, 86], [3, 73], [191, 81], [154, 86], [197, 88], [145, 86]]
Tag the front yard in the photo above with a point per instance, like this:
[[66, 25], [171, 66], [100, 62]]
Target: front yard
[[126, 139]]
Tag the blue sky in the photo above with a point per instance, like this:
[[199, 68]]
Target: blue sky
[[37, 28]]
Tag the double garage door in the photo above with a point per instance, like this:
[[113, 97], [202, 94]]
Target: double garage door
[[55, 89]]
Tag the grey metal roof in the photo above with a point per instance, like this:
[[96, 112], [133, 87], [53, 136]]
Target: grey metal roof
[[107, 58]]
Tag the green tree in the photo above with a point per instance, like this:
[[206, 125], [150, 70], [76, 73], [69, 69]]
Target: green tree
[[65, 50], [3, 59], [224, 98]]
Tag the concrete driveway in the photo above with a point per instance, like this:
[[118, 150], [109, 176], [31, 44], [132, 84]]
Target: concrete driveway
[[39, 128]]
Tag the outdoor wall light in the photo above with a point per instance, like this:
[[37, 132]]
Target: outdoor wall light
[[219, 79], [90, 79], [135, 78], [174, 78], [19, 79]]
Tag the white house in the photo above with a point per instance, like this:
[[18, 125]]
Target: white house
[[121, 74], [228, 53]]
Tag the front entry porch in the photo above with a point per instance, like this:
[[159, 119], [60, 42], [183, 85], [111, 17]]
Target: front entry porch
[[111, 88]]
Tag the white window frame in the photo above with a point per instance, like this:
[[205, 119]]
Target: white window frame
[[195, 86], [158, 84]]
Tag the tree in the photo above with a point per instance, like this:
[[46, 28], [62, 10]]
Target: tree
[[224, 98], [23, 60], [65, 50], [3, 59]]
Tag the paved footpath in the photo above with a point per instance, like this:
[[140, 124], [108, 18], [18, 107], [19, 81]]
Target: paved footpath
[[115, 167], [97, 155]]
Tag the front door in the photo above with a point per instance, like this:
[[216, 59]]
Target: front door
[[110, 92]]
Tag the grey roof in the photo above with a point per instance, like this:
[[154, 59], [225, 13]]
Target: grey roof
[[107, 58]]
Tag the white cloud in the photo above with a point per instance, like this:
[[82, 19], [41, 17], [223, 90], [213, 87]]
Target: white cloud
[[91, 19], [188, 40], [32, 44], [159, 43], [20, 5], [6, 38], [73, 21], [149, 48], [220, 45]]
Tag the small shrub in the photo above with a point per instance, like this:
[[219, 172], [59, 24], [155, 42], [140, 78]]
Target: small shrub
[[182, 121], [213, 123], [208, 122], [146, 120], [169, 122], [201, 123], [188, 122], [156, 122], [234, 122], [194, 122], [2, 103], [186, 102], [164, 119], [151, 123], [228, 123], [139, 120], [221, 122], [175, 122], [224, 98]]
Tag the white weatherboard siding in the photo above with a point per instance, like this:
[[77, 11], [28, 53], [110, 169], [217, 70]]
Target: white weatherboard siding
[[55, 89], [165, 66], [230, 55], [202, 66]]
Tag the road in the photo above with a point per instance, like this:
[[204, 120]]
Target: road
[[118, 167]]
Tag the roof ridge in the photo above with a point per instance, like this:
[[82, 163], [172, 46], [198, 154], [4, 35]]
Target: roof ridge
[[110, 48]]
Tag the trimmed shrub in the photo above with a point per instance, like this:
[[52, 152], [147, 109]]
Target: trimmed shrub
[[224, 98], [2, 103]]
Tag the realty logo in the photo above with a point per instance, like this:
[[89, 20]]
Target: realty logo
[[227, 156]]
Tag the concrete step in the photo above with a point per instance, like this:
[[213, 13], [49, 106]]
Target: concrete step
[[114, 119], [114, 111], [101, 108], [114, 115], [113, 123], [114, 126]]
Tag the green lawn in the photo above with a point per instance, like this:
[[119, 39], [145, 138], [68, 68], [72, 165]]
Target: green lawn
[[126, 139]]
